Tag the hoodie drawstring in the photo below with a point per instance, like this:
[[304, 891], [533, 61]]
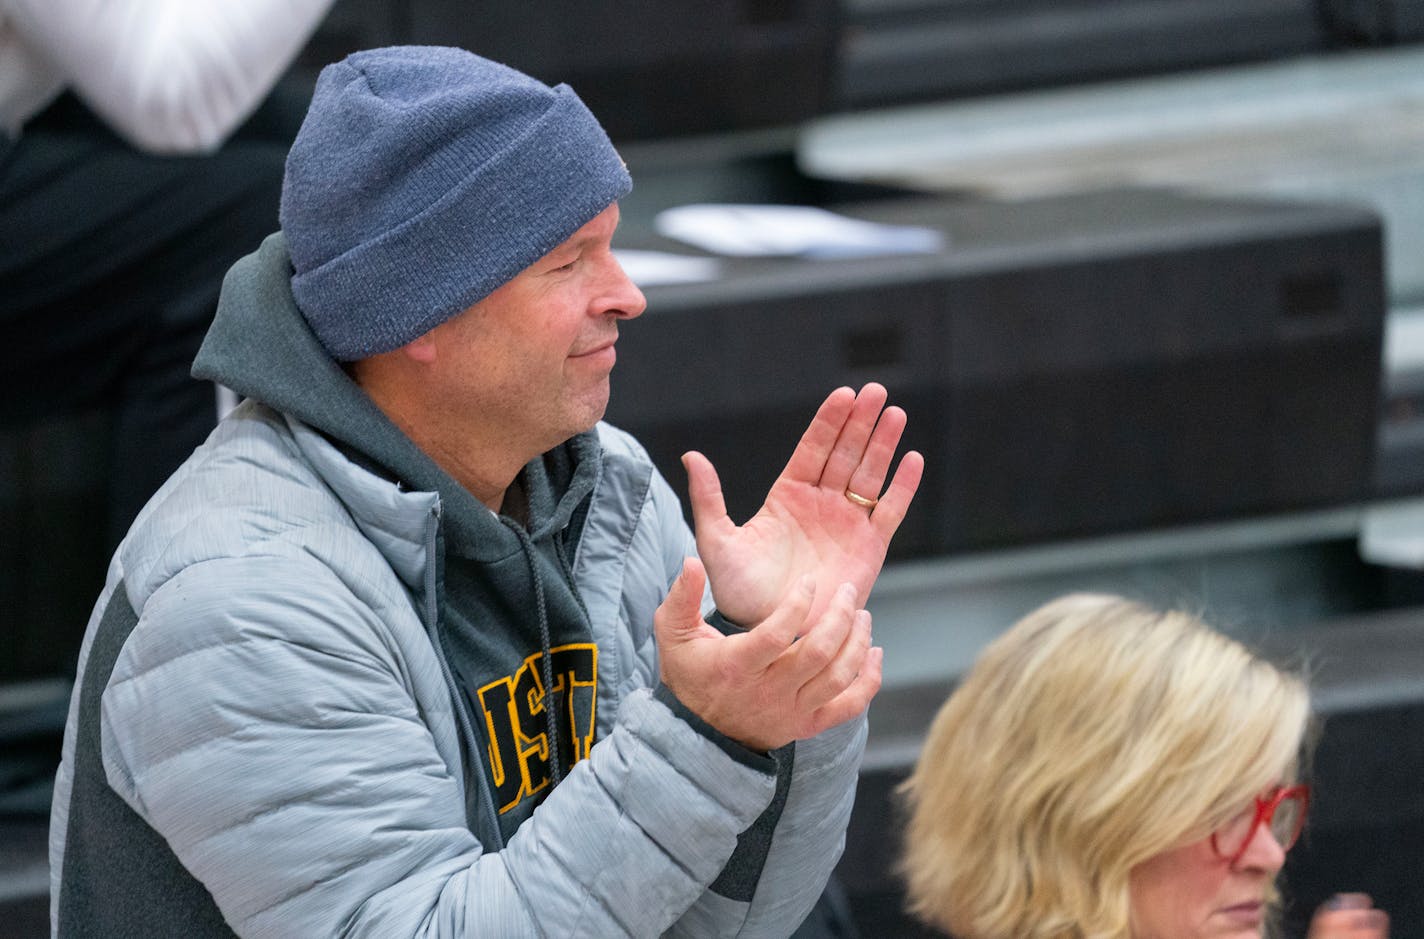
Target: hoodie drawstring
[[551, 721]]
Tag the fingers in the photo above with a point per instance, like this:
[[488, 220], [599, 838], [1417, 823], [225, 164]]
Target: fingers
[[855, 699], [893, 505], [1349, 916], [868, 475], [841, 671], [764, 643], [850, 444], [704, 492], [849, 452], [808, 460], [821, 643]]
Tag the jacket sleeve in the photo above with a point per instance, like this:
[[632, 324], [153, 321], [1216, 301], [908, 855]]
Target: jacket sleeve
[[171, 76], [784, 859], [806, 841], [261, 719], [782, 863]]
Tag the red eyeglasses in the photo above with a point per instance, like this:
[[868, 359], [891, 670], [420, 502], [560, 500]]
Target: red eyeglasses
[[1282, 810]]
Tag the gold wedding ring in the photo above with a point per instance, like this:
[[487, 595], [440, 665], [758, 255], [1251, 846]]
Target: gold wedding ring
[[861, 500]]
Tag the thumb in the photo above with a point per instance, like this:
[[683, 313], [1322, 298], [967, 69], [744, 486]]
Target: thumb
[[704, 493], [680, 613]]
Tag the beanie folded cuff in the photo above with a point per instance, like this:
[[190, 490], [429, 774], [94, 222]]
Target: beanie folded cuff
[[502, 217]]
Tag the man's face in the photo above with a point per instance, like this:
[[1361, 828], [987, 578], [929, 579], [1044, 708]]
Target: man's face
[[531, 362]]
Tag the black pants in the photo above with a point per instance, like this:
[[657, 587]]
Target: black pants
[[111, 261]]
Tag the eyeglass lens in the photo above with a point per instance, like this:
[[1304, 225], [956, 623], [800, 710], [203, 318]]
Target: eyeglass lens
[[1288, 820], [1285, 823]]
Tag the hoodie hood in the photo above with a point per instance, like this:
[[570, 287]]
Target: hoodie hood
[[261, 347]]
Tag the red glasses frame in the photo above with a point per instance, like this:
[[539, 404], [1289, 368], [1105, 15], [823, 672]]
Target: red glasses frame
[[1265, 813]]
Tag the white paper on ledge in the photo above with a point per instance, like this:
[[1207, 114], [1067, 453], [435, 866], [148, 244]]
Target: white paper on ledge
[[798, 230], [650, 268]]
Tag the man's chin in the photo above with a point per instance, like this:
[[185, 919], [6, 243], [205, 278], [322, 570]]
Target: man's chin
[[589, 414]]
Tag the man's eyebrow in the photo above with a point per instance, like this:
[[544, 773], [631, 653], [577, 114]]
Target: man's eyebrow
[[589, 238]]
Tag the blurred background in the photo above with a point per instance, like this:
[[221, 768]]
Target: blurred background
[[1148, 276]]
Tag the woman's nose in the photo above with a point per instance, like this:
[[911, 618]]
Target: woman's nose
[[1263, 851]]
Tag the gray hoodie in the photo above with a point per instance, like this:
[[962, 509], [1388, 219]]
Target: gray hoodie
[[287, 718]]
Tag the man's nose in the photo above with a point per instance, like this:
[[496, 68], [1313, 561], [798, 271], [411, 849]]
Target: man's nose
[[622, 298]]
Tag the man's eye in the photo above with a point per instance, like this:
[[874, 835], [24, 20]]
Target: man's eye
[[565, 268]]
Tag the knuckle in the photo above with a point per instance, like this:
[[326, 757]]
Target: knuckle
[[817, 656], [842, 675]]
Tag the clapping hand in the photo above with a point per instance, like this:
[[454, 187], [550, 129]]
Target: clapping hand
[[765, 687], [1349, 916], [825, 516]]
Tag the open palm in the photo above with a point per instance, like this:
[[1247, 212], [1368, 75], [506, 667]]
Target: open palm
[[808, 524]]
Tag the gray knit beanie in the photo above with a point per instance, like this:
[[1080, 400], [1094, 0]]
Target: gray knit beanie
[[422, 179]]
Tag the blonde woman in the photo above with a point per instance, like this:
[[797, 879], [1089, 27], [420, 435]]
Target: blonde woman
[[1108, 771]]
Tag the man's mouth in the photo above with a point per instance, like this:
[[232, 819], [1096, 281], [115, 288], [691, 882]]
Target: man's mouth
[[605, 345], [600, 351]]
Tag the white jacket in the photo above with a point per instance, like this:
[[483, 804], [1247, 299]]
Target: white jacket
[[170, 76]]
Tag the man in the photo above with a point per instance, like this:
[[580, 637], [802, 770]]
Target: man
[[414, 645]]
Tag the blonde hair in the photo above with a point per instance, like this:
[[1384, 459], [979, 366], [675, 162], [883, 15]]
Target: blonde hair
[[1093, 735]]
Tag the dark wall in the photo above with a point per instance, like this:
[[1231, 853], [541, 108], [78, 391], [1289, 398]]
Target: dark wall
[[647, 68], [1072, 366]]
